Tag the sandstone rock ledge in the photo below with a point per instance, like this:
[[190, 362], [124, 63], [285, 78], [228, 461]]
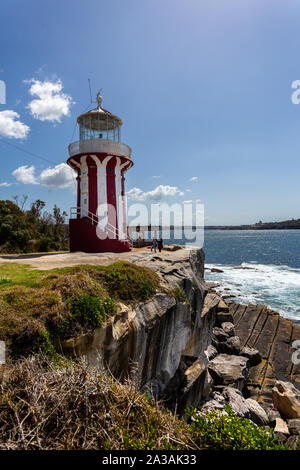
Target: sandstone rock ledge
[[151, 337], [201, 351], [272, 335]]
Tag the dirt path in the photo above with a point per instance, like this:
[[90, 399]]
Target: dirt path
[[45, 261]]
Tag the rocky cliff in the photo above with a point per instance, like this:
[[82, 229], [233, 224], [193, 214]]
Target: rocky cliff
[[150, 338], [188, 347]]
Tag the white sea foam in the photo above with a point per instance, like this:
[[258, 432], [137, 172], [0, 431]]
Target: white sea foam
[[278, 287]]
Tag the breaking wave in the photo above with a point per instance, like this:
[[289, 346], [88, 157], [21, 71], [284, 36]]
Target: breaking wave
[[278, 287]]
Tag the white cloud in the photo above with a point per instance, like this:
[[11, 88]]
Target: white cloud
[[11, 127], [50, 103], [25, 174], [155, 195], [156, 176], [194, 178], [5, 185], [61, 176], [188, 190]]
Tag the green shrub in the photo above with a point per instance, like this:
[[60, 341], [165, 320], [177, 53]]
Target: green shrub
[[5, 280], [88, 311], [44, 345], [230, 432], [45, 244]]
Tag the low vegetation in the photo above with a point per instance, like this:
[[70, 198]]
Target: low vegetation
[[230, 432], [38, 306], [56, 405], [73, 406]]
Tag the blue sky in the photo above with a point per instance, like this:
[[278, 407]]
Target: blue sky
[[203, 89]]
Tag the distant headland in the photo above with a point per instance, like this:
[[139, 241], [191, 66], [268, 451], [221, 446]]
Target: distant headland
[[284, 225]]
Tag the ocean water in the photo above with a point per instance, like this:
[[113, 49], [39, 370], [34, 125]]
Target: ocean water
[[259, 267]]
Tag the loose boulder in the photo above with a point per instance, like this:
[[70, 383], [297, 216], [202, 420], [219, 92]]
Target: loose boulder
[[226, 370], [244, 408], [222, 306], [294, 426], [252, 354], [272, 415], [228, 327], [286, 399], [234, 345], [215, 402], [211, 352], [219, 334], [293, 442], [230, 346], [281, 427], [256, 413], [237, 402]]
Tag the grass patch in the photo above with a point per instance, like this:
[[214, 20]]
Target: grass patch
[[20, 274], [35, 304], [130, 283]]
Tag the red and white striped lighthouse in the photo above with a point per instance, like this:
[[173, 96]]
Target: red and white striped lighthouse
[[98, 223]]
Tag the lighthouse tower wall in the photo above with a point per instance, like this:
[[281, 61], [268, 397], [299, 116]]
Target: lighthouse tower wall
[[100, 160], [101, 222]]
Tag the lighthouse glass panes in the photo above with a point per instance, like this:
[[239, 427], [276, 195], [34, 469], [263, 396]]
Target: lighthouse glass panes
[[99, 126]]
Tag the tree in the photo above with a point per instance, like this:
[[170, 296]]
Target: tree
[[31, 230]]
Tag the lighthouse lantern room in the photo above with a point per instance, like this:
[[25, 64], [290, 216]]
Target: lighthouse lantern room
[[99, 222]]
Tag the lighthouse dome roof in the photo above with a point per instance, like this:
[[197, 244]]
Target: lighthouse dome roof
[[99, 113]]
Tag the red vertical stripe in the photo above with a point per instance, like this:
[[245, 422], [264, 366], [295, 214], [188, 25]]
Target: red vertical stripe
[[111, 196]]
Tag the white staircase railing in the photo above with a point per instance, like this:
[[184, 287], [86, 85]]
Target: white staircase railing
[[75, 212]]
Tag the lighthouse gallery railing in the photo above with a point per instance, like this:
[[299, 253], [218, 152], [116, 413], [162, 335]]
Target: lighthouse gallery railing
[[99, 146]]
